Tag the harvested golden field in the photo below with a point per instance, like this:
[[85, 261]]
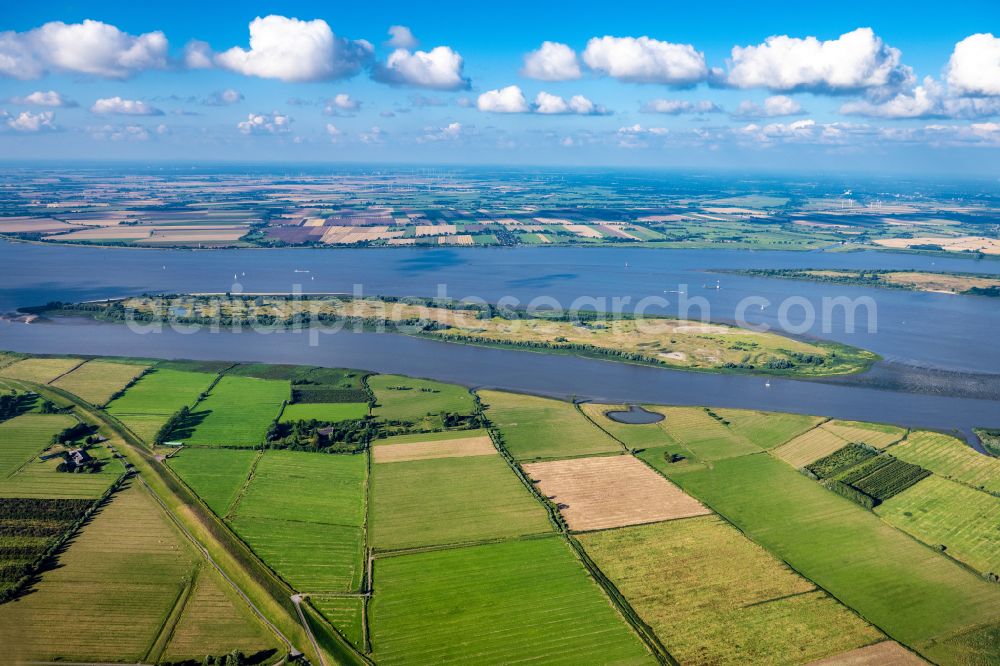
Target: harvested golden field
[[97, 381], [40, 370], [939, 282], [442, 448], [886, 653], [460, 239], [343, 235], [872, 434], [951, 244], [809, 447], [435, 229], [611, 491]]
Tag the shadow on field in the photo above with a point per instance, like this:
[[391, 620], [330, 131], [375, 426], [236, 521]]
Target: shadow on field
[[185, 429]]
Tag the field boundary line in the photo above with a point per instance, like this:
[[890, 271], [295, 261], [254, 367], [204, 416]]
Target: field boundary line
[[816, 588], [576, 406], [432, 548], [169, 624], [366, 575], [231, 509], [621, 604], [57, 378]]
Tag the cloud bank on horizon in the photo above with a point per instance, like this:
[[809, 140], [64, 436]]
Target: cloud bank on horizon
[[850, 91]]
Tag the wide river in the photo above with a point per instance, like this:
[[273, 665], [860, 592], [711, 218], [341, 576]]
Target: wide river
[[941, 331]]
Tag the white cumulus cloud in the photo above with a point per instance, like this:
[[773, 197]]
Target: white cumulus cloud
[[265, 123], [547, 103], [552, 61], [773, 107], [341, 103], [645, 60], [293, 50], [44, 98], [854, 61], [401, 37], [676, 107], [26, 121], [974, 66], [224, 97], [437, 69], [929, 100], [198, 55], [91, 47], [503, 100], [127, 107]]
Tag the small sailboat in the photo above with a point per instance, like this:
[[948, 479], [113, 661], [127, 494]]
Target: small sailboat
[[767, 383]]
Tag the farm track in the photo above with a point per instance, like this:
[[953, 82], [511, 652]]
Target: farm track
[[243, 564]]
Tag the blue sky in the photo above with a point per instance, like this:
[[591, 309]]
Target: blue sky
[[852, 85]]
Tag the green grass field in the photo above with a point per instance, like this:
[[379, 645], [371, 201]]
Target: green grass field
[[544, 428], [345, 613], [39, 370], [950, 458], [237, 412], [215, 475], [510, 602], [767, 429], [450, 500], [24, 437], [407, 399], [331, 412], [148, 403], [914, 594], [303, 514], [127, 568], [714, 597], [97, 381], [938, 511], [702, 434], [634, 436]]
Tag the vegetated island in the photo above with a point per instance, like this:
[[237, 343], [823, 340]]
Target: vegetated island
[[968, 284], [653, 340], [990, 438]]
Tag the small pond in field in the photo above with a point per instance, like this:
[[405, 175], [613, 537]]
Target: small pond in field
[[635, 415]]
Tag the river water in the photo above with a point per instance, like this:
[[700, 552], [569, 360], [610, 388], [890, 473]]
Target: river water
[[956, 333]]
